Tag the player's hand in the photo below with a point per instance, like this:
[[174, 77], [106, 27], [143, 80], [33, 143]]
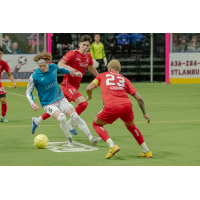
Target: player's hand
[[89, 97], [105, 61], [14, 85], [78, 74], [147, 117], [35, 106], [72, 72]]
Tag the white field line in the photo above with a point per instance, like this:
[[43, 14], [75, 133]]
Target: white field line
[[20, 95]]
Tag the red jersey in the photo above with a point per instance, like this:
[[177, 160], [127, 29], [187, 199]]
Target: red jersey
[[78, 61], [114, 88], [3, 66]]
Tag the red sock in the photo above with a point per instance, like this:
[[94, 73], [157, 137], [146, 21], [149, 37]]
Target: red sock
[[3, 109], [81, 107], [101, 131], [45, 116], [136, 133]]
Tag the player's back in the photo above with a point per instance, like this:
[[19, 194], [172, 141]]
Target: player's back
[[114, 88]]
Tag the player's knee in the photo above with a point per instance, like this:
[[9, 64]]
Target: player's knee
[[61, 117], [74, 116], [129, 124], [94, 124]]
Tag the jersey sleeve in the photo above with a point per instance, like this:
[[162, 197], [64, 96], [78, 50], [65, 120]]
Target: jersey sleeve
[[103, 51], [6, 67], [30, 89], [129, 87], [62, 70], [92, 51], [91, 61], [68, 56]]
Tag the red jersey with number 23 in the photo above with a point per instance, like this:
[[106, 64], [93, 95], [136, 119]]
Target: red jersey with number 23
[[114, 89], [3, 66], [78, 61]]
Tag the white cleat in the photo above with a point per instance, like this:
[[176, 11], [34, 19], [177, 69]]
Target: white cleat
[[95, 140], [70, 142]]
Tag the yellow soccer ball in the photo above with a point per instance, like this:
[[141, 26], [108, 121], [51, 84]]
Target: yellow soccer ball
[[41, 141]]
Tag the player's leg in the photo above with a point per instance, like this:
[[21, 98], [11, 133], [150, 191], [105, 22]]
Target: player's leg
[[3, 107], [54, 111], [100, 120], [72, 94], [128, 118], [69, 111], [37, 121]]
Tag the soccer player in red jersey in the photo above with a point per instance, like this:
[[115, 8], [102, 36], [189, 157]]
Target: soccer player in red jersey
[[4, 66], [75, 60], [117, 104]]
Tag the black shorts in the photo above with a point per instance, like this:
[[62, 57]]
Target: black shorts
[[2, 95]]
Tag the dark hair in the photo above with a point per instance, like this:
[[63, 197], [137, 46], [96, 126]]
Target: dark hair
[[85, 38], [96, 34], [1, 49]]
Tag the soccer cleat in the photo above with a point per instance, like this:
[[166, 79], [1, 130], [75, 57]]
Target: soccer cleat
[[146, 155], [34, 125], [3, 119], [112, 152], [70, 142], [95, 140], [72, 127]]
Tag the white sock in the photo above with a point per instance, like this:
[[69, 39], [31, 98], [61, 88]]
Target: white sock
[[110, 143], [2, 116], [63, 125], [144, 147], [81, 124], [38, 120]]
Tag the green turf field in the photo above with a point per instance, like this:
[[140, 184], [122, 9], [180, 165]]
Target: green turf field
[[172, 136]]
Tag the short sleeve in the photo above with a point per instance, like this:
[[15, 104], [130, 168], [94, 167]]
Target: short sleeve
[[6, 67], [97, 78], [68, 56], [91, 61], [129, 87]]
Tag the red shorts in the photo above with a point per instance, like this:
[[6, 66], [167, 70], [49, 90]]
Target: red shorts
[[2, 90], [123, 111], [71, 93]]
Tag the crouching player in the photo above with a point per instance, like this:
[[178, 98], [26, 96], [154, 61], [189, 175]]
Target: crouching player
[[51, 96], [117, 104]]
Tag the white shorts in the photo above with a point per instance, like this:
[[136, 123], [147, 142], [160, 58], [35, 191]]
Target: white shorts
[[63, 105]]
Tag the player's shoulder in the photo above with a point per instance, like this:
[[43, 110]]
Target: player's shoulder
[[88, 54], [3, 62], [52, 65]]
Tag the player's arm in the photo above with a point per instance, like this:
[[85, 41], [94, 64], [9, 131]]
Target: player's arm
[[29, 94], [71, 70], [91, 87], [142, 106], [12, 79], [93, 70], [63, 70]]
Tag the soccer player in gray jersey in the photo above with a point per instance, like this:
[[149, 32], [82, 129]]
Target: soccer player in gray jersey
[[51, 96]]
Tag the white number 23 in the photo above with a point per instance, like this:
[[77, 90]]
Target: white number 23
[[112, 78]]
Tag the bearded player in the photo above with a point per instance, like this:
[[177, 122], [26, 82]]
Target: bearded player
[[75, 60], [117, 104], [4, 66]]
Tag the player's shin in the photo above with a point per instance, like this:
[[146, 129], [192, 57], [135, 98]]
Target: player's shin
[[3, 109], [138, 136], [81, 124], [81, 107], [63, 125], [101, 131]]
